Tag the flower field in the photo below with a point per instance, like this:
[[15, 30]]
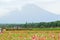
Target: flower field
[[30, 35]]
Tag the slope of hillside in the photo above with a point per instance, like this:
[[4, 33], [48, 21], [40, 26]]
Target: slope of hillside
[[29, 13]]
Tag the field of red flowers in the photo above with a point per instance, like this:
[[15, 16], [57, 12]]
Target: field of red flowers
[[30, 35]]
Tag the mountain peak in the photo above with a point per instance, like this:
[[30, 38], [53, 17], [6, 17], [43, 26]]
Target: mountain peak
[[29, 13]]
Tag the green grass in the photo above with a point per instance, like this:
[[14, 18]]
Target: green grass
[[28, 34], [47, 29]]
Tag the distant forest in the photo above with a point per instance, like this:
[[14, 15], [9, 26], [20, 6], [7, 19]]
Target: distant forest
[[33, 25]]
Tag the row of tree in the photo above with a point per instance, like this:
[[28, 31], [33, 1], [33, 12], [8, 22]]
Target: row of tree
[[33, 25]]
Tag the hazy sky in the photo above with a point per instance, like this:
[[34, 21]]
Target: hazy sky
[[7, 6]]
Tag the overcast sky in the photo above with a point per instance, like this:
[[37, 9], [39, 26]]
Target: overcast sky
[[7, 6]]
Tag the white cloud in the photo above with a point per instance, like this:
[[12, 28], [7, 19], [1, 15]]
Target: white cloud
[[44, 0], [53, 7], [6, 0], [3, 12]]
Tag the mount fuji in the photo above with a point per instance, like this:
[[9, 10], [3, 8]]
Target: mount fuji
[[29, 13]]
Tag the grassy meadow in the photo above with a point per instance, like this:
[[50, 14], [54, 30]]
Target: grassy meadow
[[34, 34]]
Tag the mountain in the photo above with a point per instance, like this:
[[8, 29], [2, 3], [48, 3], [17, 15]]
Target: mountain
[[29, 13]]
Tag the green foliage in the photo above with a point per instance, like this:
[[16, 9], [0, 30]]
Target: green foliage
[[55, 24]]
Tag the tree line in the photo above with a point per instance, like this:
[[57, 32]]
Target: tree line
[[32, 25]]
